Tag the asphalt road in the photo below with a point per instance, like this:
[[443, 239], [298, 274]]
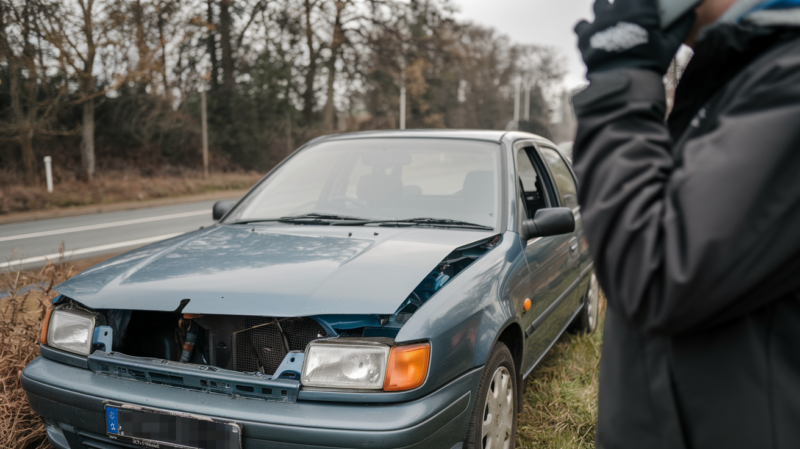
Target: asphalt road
[[30, 244]]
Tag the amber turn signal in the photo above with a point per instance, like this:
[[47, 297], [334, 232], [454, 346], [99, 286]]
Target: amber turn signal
[[407, 367], [527, 304], [45, 324]]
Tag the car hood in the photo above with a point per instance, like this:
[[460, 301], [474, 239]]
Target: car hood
[[271, 270]]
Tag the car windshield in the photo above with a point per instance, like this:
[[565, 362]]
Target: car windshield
[[382, 179]]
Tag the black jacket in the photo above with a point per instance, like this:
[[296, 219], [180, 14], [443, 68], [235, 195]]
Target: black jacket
[[694, 227]]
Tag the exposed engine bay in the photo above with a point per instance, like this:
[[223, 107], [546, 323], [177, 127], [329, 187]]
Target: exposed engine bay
[[269, 348]]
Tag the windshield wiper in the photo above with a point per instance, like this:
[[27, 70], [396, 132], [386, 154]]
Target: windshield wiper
[[255, 220], [326, 217], [448, 222], [445, 222], [346, 220], [312, 218]]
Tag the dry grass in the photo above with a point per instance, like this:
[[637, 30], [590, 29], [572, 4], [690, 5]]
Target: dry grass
[[560, 409], [118, 186], [21, 313]]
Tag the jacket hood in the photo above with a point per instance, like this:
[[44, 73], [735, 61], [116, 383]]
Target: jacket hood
[[270, 270], [761, 13]]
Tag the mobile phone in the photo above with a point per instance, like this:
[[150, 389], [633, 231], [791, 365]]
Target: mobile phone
[[672, 10]]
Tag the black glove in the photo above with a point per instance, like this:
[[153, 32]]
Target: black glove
[[628, 34]]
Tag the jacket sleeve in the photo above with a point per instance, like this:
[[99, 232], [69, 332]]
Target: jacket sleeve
[[684, 243]]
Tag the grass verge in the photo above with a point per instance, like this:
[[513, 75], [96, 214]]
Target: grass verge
[[21, 314], [119, 187], [560, 399], [560, 408]]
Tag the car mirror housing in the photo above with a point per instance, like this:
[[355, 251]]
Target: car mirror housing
[[548, 222], [221, 208]]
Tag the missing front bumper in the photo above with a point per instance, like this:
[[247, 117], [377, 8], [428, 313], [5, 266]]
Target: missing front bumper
[[75, 398], [197, 377]]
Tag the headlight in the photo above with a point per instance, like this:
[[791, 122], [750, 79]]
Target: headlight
[[71, 331], [365, 365], [357, 366]]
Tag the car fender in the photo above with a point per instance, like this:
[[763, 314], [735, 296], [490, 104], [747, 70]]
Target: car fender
[[464, 319]]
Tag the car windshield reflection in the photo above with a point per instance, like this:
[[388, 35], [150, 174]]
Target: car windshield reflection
[[416, 182]]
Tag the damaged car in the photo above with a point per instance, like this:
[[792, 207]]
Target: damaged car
[[374, 290]]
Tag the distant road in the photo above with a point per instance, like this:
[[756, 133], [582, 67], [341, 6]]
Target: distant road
[[32, 243]]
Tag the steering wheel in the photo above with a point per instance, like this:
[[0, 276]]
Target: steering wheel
[[346, 199]]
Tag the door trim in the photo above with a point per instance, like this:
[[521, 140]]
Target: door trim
[[549, 347], [552, 307]]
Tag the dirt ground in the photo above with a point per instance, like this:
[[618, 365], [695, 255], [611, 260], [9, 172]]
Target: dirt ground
[[560, 408]]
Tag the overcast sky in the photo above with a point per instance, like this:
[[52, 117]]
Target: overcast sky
[[542, 22]]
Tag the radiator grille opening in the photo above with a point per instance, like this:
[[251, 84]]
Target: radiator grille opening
[[260, 347]]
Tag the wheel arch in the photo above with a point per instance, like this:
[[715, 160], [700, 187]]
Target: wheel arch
[[512, 337]]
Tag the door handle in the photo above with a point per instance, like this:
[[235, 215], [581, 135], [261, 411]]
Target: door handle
[[573, 245]]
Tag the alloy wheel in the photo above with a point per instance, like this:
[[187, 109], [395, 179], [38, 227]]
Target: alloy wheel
[[498, 411]]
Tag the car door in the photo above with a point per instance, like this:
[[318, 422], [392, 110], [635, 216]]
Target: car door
[[567, 190], [568, 184], [551, 263]]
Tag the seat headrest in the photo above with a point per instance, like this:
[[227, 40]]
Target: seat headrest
[[377, 188], [479, 186]]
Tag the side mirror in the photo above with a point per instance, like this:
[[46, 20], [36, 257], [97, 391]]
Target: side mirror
[[221, 208], [547, 222]]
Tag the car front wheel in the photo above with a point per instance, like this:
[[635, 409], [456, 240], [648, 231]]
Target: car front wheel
[[493, 424]]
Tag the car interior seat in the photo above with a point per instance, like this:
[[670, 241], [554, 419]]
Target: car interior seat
[[478, 191], [379, 187]]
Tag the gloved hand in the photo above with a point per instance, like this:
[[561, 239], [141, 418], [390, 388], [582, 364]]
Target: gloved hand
[[628, 34]]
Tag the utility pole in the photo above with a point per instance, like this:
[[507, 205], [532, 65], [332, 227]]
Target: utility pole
[[526, 111], [403, 107], [402, 64], [204, 119], [516, 101], [403, 89]]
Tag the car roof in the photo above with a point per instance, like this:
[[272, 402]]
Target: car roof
[[469, 134]]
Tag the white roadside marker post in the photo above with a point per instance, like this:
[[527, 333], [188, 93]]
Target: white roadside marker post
[[48, 171]]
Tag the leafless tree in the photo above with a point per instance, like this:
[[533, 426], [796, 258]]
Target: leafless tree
[[35, 96], [335, 46], [79, 29], [279, 71]]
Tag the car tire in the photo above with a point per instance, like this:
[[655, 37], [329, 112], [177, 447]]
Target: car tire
[[587, 319], [493, 423]]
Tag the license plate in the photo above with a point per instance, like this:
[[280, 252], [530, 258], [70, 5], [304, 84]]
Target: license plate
[[155, 428]]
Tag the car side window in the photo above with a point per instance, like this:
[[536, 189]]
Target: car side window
[[530, 181], [565, 183]]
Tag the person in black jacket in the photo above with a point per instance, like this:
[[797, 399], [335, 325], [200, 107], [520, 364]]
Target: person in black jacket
[[694, 223]]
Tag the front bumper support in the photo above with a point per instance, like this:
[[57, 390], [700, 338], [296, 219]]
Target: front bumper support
[[74, 398], [196, 377]]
